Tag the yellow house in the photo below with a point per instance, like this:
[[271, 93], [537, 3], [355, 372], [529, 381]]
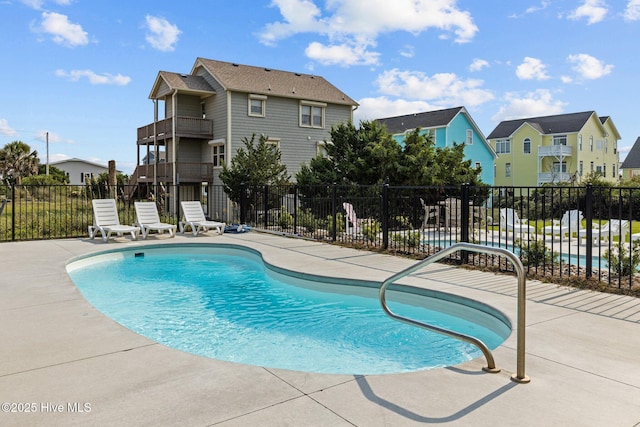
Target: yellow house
[[553, 149], [631, 166]]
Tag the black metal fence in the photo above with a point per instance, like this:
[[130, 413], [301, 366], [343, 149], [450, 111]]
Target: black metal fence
[[414, 221]]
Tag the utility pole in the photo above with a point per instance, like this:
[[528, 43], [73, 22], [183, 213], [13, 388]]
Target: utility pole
[[47, 138]]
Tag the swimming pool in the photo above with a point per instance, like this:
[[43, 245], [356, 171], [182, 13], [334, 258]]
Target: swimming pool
[[224, 302]]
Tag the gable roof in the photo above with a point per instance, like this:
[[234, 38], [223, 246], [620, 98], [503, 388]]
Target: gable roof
[[632, 161], [425, 120], [561, 123], [61, 163], [267, 81], [185, 83]]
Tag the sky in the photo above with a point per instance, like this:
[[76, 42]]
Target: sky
[[80, 71]]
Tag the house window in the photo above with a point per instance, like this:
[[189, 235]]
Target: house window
[[218, 155], [591, 142], [503, 146], [257, 105], [478, 165], [86, 177], [600, 145], [581, 167], [274, 141], [203, 111], [614, 170], [312, 114], [560, 140], [580, 142], [559, 167], [526, 146], [599, 170], [604, 171], [469, 137], [321, 148], [591, 167], [507, 170]]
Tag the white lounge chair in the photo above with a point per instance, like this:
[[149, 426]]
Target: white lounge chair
[[568, 224], [106, 221], [431, 212], [615, 227], [193, 216], [148, 219], [510, 221], [352, 223]]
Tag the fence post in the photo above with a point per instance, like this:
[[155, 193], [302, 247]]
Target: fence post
[[334, 201], [385, 214], [243, 204], [13, 212], [464, 230], [588, 211], [295, 209], [266, 206]]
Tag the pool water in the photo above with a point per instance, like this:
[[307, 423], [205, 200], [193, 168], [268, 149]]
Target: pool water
[[224, 303]]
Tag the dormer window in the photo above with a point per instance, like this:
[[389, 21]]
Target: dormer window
[[257, 104]]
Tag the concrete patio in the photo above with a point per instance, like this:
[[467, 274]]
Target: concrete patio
[[68, 364]]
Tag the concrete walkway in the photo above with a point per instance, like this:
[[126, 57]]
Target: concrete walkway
[[64, 363]]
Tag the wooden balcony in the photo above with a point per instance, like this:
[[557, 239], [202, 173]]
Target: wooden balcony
[[187, 172], [186, 127]]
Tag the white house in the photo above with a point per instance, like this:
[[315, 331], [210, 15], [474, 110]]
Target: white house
[[79, 170]]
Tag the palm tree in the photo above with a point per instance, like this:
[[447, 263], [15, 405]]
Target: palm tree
[[17, 160]]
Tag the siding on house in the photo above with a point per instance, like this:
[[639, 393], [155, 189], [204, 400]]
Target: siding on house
[[631, 165]]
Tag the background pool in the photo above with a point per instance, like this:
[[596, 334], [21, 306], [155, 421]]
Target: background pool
[[229, 307]]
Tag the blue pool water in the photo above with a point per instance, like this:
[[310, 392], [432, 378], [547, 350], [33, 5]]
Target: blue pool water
[[223, 302]]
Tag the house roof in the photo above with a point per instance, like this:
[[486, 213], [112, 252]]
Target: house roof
[[76, 160], [632, 161], [428, 119], [267, 81], [561, 123], [182, 83]]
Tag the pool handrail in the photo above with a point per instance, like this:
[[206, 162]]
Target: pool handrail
[[519, 376]]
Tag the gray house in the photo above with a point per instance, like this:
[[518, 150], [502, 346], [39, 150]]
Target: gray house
[[79, 171], [201, 118]]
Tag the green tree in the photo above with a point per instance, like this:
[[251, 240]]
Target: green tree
[[18, 161], [58, 176], [256, 164]]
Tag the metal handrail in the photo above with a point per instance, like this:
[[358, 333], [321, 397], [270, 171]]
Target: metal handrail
[[519, 376]]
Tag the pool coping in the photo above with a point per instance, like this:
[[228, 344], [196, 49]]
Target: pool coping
[[58, 351]]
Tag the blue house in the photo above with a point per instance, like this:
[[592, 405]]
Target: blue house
[[448, 126]]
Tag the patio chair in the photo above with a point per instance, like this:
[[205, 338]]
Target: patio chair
[[568, 224], [352, 223], [615, 227], [193, 216], [106, 221], [147, 219], [511, 221], [431, 213]]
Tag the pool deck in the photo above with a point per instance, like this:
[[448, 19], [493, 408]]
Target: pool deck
[[59, 353]]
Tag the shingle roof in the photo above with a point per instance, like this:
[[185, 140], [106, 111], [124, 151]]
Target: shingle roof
[[632, 161], [428, 119], [267, 81], [186, 82], [568, 123]]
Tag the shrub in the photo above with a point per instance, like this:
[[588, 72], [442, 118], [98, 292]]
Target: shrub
[[285, 220], [410, 238], [536, 253], [370, 229], [621, 262], [307, 220]]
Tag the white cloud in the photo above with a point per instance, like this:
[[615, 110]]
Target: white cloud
[[632, 11], [589, 67], [95, 79], [478, 64], [532, 69], [533, 104], [162, 34], [62, 31], [593, 10], [342, 54], [355, 23], [407, 52], [442, 88], [5, 129], [37, 4], [380, 107]]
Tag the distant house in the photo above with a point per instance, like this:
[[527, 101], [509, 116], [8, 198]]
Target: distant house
[[448, 126], [555, 149], [200, 119], [79, 171], [631, 165]]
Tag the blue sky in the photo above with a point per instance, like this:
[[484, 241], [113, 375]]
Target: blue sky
[[82, 70]]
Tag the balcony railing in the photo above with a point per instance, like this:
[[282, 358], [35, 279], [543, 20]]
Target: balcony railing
[[187, 172], [191, 127], [555, 150], [547, 177]]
